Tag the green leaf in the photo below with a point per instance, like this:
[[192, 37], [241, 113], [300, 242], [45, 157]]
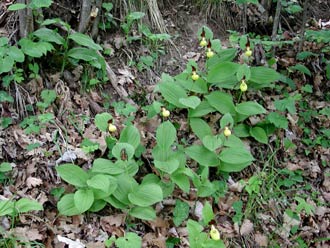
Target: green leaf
[[180, 212], [250, 108], [146, 195], [200, 127], [243, 72], [82, 53], [305, 54], [202, 155], [263, 76], [5, 122], [6, 207], [84, 40], [278, 120], [242, 130], [221, 101], [172, 93], [101, 165], [226, 121], [222, 72], [50, 35], [143, 213], [190, 102], [212, 142], [131, 135], [199, 86], [259, 134], [288, 103], [301, 68], [16, 6], [207, 213], [98, 205], [181, 180], [196, 236], [168, 166], [126, 184], [24, 205], [66, 206], [83, 199], [208, 32], [165, 135], [5, 167], [135, 15], [130, 240], [123, 148], [232, 141], [48, 96], [303, 205], [3, 41], [202, 109], [102, 182], [6, 64], [16, 54], [101, 121], [113, 201], [5, 97], [327, 71], [36, 4], [73, 174], [234, 159], [35, 49]]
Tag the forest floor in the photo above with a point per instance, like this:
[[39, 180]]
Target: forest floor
[[289, 205]]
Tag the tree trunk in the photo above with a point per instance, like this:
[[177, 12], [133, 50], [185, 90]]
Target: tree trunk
[[85, 12], [303, 25], [276, 19]]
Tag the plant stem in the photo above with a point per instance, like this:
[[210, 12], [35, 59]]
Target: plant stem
[[304, 20]]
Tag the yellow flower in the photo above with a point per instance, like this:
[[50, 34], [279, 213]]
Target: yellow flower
[[194, 76], [165, 113], [243, 86], [248, 52], [112, 128], [209, 53], [203, 42], [227, 132], [214, 233]]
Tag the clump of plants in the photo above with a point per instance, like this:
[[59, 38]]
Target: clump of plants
[[217, 90]]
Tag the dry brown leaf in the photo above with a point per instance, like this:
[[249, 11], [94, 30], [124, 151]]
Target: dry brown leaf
[[246, 228], [95, 245], [27, 233], [32, 182], [198, 210], [151, 240], [293, 166], [113, 220], [261, 239], [192, 55]]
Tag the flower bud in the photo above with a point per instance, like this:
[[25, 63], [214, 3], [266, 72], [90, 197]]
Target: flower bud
[[165, 112], [194, 76], [243, 86], [248, 52], [227, 132], [209, 53], [214, 233], [203, 42], [112, 128]]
